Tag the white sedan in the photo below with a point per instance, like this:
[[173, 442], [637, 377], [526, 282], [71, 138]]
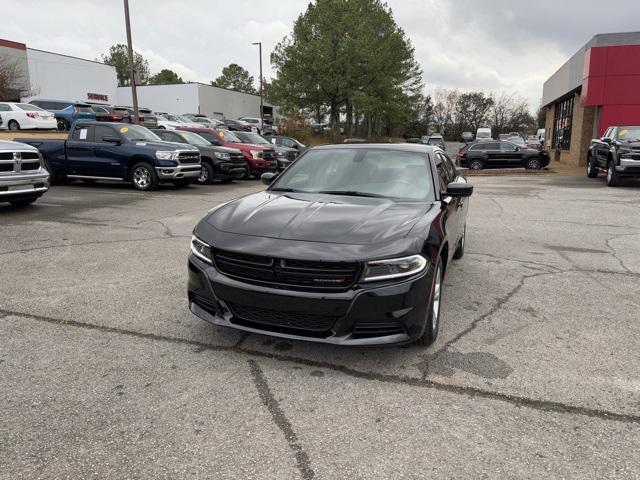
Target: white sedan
[[165, 122], [17, 116]]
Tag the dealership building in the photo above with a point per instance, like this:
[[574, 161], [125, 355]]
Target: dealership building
[[597, 87], [52, 76]]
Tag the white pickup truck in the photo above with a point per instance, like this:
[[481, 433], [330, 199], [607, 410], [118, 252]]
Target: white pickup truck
[[23, 178]]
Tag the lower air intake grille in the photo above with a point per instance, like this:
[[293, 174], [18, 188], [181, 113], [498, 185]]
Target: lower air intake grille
[[377, 329], [264, 318]]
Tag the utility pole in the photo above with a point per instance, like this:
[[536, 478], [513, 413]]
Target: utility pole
[[261, 88], [134, 94]]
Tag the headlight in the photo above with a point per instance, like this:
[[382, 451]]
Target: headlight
[[282, 154], [165, 155], [222, 156], [256, 154], [201, 250], [394, 268]]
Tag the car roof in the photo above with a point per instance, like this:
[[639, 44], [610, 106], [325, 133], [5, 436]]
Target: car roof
[[70, 102]]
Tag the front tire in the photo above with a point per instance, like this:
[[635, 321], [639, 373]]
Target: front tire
[[13, 125], [613, 179], [432, 324], [144, 177], [459, 253], [533, 164], [63, 125], [206, 174], [592, 171]]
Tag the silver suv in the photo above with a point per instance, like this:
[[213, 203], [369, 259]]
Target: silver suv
[[23, 178]]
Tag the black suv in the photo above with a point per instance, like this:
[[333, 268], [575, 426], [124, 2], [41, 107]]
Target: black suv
[[218, 163], [492, 154], [617, 153], [146, 118]]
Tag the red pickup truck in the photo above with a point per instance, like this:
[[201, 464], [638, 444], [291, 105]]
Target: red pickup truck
[[260, 158]]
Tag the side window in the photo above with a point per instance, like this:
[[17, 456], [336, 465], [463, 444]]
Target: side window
[[288, 143], [100, 131], [81, 134], [443, 175], [453, 173], [4, 107]]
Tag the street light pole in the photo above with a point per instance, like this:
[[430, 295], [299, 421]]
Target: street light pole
[[261, 88], [134, 94]]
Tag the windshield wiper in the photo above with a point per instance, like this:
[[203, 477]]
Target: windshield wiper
[[352, 193], [284, 190]]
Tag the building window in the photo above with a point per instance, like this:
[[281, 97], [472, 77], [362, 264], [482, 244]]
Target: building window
[[562, 119]]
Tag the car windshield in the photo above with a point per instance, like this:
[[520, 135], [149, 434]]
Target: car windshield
[[252, 138], [483, 135], [194, 139], [137, 133], [367, 172], [629, 134], [434, 140], [29, 108], [229, 136], [183, 119]]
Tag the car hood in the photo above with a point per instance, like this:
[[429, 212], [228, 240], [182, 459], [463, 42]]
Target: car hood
[[318, 217], [280, 148], [161, 145], [9, 145]]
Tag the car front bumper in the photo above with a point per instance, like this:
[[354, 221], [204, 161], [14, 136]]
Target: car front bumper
[[181, 171], [629, 166], [16, 186], [376, 314]]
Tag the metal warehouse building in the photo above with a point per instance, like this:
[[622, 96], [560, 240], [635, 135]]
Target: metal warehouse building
[[196, 98], [60, 77], [597, 87]]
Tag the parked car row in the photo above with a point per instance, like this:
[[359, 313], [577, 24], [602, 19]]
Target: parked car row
[[617, 153], [119, 151], [506, 154]]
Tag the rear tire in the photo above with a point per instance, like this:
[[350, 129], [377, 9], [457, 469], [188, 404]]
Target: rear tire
[[432, 323], [13, 125], [206, 174], [592, 171], [475, 164], [23, 202], [613, 179], [143, 177], [63, 125]]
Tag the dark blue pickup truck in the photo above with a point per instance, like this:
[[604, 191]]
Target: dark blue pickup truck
[[118, 151]]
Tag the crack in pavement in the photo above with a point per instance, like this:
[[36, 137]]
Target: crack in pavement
[[535, 404], [100, 242], [280, 419], [614, 252]]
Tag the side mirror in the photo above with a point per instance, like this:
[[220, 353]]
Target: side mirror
[[455, 189], [268, 178], [111, 139]]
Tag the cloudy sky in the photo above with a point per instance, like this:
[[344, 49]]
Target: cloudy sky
[[493, 45]]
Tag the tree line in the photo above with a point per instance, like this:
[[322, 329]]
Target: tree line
[[233, 77]]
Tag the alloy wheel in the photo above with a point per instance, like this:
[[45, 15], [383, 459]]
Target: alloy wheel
[[142, 177], [204, 175]]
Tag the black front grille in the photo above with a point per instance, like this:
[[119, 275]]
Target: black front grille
[[377, 329], [23, 155], [189, 157], [269, 155], [26, 166], [291, 156], [238, 160], [263, 317], [297, 274], [6, 167]]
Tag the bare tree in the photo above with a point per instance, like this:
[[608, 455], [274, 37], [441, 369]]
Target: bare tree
[[14, 82]]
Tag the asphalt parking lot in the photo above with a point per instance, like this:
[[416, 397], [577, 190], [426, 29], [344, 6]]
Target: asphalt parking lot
[[104, 373]]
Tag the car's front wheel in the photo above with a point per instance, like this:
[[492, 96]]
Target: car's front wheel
[[533, 164], [613, 179], [144, 177], [432, 323], [206, 174], [459, 253], [592, 171]]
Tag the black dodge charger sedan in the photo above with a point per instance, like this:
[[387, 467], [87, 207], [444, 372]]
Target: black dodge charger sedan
[[348, 246]]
